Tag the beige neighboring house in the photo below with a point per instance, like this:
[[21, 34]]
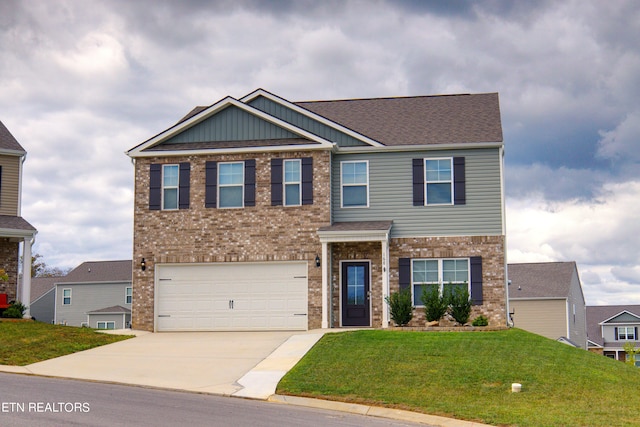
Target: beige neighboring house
[[546, 299], [14, 230]]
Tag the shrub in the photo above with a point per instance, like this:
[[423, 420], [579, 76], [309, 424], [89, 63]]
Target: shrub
[[400, 306], [435, 305], [460, 305], [480, 321], [14, 311]]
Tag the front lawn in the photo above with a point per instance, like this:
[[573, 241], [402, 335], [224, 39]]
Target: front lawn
[[26, 342], [468, 375]]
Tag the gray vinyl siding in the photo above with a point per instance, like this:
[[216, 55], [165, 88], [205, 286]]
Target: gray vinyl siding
[[577, 322], [232, 124], [304, 122], [391, 195], [86, 298], [42, 309], [9, 185]]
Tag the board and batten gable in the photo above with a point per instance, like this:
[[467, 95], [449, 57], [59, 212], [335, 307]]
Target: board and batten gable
[[86, 297], [391, 194], [9, 184]]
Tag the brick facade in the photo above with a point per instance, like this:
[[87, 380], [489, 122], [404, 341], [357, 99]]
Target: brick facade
[[9, 255], [257, 233]]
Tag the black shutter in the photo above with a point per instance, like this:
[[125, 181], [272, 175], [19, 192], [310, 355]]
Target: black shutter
[[615, 331], [476, 279], [211, 185], [0, 180], [459, 182], [418, 182], [276, 182], [183, 186], [307, 181], [636, 334], [250, 182], [404, 273], [155, 187]]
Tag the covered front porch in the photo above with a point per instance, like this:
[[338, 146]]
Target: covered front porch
[[355, 274]]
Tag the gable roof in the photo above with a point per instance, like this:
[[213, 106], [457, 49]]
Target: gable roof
[[596, 314], [115, 309], [376, 122], [8, 142], [540, 280], [15, 226], [99, 272], [41, 285]]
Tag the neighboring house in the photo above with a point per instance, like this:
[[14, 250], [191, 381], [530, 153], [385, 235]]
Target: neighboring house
[[14, 230], [546, 298], [43, 297], [261, 213], [95, 294], [610, 327]]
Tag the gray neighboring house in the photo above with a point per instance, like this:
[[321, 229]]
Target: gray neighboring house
[[95, 294], [610, 327], [546, 299], [43, 297]]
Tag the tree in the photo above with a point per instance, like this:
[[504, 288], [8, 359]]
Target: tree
[[40, 269], [632, 353]]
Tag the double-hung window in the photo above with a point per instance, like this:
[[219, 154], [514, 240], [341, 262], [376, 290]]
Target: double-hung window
[[170, 175], [438, 181], [128, 295], [231, 185], [292, 182], [66, 296], [626, 333], [354, 178], [444, 274], [106, 325]]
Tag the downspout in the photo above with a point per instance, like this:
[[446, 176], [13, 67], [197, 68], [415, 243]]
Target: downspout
[[504, 233]]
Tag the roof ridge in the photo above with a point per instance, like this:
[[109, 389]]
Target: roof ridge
[[444, 95]]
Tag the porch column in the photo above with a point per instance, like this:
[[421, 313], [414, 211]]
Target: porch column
[[385, 283], [325, 285], [25, 293]]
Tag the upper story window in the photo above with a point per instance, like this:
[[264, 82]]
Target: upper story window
[[292, 182], [444, 274], [66, 296], [438, 181], [128, 295], [170, 187], [626, 333], [354, 182], [231, 185]]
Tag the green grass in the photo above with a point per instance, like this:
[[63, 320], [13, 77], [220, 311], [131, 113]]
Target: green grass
[[23, 343], [468, 375]]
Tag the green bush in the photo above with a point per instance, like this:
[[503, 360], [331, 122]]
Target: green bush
[[435, 305], [400, 307], [460, 305], [14, 311], [480, 321]]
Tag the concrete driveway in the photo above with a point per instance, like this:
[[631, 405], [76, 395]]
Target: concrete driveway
[[247, 364]]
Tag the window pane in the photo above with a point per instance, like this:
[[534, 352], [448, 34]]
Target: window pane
[[449, 288], [354, 195], [231, 173], [417, 293], [425, 271], [455, 270], [170, 175], [170, 200], [292, 194], [231, 197], [354, 173], [438, 194], [291, 171], [438, 170], [355, 285]]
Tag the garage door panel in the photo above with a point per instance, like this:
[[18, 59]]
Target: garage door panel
[[232, 296]]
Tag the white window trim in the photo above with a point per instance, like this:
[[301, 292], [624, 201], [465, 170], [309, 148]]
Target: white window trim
[[626, 330], [70, 296], [127, 295], [220, 186], [106, 322], [285, 183], [342, 185], [440, 275], [170, 187], [424, 164]]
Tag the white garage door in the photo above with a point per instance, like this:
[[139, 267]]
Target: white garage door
[[231, 296]]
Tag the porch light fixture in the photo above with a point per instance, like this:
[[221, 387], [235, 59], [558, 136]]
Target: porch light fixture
[[143, 265], [317, 260]]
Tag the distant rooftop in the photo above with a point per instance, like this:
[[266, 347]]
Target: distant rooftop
[[540, 280], [99, 271]]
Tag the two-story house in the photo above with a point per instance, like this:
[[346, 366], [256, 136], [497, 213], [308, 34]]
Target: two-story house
[[610, 327], [261, 213], [546, 298], [14, 230]]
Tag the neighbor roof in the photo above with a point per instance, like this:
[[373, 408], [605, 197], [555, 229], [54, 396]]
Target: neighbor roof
[[540, 280], [11, 222], [7, 141], [599, 313], [99, 271], [115, 309]]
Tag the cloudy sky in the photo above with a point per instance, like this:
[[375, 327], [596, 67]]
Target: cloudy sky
[[82, 81]]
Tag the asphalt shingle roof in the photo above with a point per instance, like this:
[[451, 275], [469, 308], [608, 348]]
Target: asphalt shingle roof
[[600, 313], [7, 141], [15, 223], [112, 310], [99, 271], [540, 280]]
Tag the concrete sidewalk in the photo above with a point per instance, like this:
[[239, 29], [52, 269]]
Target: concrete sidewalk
[[239, 364]]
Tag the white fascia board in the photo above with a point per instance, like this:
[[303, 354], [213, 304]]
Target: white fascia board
[[353, 236], [311, 115], [13, 232], [213, 109], [422, 147], [17, 153]]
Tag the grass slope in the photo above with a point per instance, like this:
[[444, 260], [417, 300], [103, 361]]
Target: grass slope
[[23, 343], [468, 375]]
